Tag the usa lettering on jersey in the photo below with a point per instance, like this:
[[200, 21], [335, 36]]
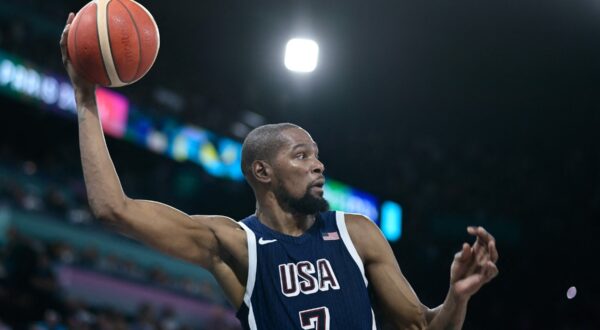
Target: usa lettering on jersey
[[307, 278]]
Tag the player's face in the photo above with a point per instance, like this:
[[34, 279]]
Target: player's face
[[299, 180]]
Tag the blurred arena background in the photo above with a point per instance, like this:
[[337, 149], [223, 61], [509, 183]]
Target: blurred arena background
[[430, 116]]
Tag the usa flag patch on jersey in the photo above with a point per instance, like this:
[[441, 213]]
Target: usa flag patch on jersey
[[330, 236]]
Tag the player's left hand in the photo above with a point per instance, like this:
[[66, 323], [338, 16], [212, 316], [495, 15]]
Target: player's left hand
[[474, 265]]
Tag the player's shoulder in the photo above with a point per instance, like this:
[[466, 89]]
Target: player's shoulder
[[366, 236], [361, 228], [356, 221]]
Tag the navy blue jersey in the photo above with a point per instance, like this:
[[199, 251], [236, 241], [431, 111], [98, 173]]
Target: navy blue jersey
[[313, 281]]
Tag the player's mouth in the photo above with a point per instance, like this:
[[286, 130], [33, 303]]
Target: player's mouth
[[318, 185]]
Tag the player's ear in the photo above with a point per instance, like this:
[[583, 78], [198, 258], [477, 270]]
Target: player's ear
[[262, 171]]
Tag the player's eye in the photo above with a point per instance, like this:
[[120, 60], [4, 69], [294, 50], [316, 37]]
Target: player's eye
[[301, 155]]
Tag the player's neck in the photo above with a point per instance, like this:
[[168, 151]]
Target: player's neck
[[292, 224]]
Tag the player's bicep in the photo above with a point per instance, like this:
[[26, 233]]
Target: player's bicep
[[168, 230], [392, 291], [395, 295]]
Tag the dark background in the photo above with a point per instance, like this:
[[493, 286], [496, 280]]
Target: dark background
[[465, 112]]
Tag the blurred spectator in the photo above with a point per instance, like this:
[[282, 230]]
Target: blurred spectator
[[20, 301], [219, 319], [168, 319], [44, 283], [89, 257], [145, 318], [55, 201], [51, 321]]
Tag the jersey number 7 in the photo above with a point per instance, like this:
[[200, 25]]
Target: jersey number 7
[[316, 318]]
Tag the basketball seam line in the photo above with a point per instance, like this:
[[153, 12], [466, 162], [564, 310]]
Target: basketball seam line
[[100, 42], [109, 43], [105, 44], [139, 37]]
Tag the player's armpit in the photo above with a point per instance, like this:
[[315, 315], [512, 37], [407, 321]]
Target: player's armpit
[[169, 230], [395, 296]]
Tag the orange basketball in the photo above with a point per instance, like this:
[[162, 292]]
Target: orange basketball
[[113, 42]]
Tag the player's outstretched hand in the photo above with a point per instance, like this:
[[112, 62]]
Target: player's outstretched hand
[[474, 265], [79, 83]]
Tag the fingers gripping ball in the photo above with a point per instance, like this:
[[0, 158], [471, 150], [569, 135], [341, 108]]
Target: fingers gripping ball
[[113, 42]]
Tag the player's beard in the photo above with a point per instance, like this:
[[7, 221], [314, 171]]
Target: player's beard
[[307, 204]]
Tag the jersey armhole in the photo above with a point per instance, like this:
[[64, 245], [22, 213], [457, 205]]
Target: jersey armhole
[[252, 263], [340, 220]]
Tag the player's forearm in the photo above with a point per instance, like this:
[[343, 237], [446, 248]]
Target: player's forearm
[[450, 315], [105, 194]]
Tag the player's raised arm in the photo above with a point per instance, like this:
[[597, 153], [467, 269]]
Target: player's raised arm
[[156, 224], [472, 267]]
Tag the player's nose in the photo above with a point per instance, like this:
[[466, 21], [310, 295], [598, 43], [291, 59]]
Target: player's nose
[[318, 167]]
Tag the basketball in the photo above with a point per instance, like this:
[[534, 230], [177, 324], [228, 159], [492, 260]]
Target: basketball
[[113, 43]]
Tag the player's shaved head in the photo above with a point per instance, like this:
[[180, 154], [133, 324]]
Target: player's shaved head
[[262, 143]]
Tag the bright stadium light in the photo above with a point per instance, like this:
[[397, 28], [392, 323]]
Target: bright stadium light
[[301, 55]]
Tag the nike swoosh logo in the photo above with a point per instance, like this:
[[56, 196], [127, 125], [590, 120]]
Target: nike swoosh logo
[[262, 241]]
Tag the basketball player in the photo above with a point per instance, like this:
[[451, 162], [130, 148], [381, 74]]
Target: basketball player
[[293, 264]]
